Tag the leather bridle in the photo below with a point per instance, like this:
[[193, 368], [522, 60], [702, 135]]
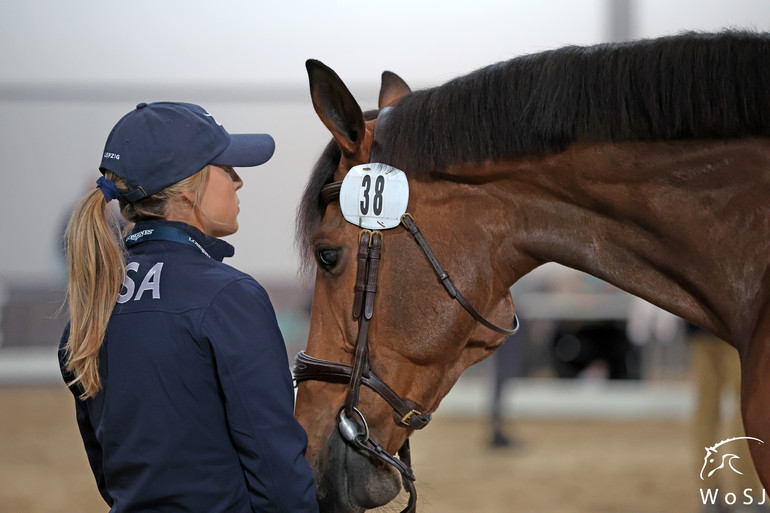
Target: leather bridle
[[406, 413]]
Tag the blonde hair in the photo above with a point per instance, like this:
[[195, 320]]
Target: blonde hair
[[96, 267]]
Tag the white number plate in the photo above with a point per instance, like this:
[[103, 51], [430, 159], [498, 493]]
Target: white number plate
[[374, 196]]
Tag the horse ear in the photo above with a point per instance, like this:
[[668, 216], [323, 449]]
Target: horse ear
[[393, 88], [336, 107]]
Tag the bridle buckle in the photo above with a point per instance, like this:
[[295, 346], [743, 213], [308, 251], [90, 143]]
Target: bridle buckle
[[405, 418]]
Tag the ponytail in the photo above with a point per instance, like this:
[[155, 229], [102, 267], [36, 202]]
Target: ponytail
[[96, 266]]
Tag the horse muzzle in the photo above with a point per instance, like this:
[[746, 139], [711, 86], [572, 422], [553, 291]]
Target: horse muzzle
[[350, 481]]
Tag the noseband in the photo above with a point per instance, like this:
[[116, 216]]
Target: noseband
[[352, 423]]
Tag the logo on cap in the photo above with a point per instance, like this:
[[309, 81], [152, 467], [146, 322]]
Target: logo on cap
[[212, 117]]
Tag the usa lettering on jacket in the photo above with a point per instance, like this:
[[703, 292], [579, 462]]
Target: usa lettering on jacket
[[150, 282]]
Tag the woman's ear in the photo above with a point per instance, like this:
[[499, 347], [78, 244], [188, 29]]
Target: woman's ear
[[180, 207], [188, 198]]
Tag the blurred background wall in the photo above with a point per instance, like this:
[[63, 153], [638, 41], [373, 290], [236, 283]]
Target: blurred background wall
[[69, 70]]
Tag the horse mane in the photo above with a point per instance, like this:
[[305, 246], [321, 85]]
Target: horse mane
[[692, 85]]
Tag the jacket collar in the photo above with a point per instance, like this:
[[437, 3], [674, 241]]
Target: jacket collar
[[216, 248]]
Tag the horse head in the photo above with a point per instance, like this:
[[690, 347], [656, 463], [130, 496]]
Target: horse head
[[419, 339], [718, 457]]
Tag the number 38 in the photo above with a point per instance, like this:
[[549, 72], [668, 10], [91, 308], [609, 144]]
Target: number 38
[[376, 201]]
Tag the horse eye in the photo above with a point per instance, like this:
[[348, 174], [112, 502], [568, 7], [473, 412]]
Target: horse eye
[[327, 257]]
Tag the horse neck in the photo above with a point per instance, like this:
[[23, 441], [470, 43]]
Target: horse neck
[[682, 225]]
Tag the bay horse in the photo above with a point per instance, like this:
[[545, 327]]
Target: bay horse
[[645, 164]]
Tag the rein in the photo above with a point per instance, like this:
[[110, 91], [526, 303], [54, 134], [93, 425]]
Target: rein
[[352, 423]]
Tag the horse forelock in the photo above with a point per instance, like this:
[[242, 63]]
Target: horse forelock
[[311, 207], [687, 86]]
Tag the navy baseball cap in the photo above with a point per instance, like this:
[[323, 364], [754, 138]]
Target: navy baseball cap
[[159, 144]]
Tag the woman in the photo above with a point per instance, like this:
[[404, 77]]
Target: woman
[[183, 393]]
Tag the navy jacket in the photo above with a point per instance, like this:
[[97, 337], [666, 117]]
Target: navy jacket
[[195, 413]]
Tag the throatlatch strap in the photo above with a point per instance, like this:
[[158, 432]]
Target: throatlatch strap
[[446, 281]]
